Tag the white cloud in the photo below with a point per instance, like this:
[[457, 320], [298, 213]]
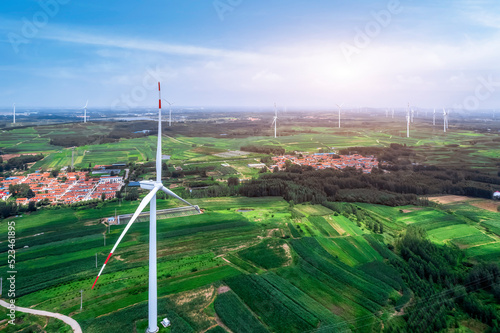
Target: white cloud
[[267, 76]]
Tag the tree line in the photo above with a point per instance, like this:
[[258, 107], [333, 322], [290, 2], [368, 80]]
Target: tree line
[[446, 289]]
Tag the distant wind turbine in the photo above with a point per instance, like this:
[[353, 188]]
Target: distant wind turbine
[[275, 120], [392, 113], [408, 121], [169, 112], [445, 120], [340, 107], [85, 112], [153, 186], [434, 118]]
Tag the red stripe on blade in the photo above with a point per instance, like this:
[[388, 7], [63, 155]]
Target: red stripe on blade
[[160, 103], [109, 256], [95, 281], [158, 86]]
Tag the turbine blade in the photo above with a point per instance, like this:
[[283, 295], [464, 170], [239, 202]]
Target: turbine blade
[[172, 194], [139, 210], [86, 104]]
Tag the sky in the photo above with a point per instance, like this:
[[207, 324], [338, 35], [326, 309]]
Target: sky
[[246, 53]]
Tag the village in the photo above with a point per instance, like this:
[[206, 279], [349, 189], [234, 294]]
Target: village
[[66, 188], [320, 161]]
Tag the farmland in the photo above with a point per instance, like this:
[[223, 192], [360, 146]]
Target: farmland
[[251, 264], [57, 265], [185, 145]]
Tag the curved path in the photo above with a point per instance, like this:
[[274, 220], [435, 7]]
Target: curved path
[[68, 320]]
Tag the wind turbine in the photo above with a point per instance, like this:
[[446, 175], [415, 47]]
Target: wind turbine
[[445, 120], [85, 112], [392, 113], [434, 118], [340, 107], [14, 119], [275, 120], [153, 186], [169, 112], [408, 121], [412, 114]]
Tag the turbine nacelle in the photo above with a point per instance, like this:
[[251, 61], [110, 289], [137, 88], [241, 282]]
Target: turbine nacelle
[[149, 184]]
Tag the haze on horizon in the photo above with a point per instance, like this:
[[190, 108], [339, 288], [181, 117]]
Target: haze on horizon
[[59, 53]]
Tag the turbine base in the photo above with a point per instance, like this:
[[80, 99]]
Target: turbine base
[[148, 331]]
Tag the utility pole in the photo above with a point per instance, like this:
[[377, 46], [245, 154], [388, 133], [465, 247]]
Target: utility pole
[[81, 299]]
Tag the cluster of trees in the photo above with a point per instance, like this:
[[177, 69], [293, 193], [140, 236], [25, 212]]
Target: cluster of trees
[[10, 208], [274, 150], [19, 163], [442, 283], [302, 184], [21, 191], [117, 131], [82, 140]]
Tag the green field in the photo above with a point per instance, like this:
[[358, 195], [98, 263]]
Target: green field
[[476, 150], [282, 267]]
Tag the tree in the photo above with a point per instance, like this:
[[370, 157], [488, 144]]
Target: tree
[[21, 191], [103, 196], [233, 181], [54, 173], [32, 206]]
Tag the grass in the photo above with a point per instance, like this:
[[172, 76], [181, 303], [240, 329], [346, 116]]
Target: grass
[[268, 254], [236, 315], [344, 226], [445, 234], [350, 250], [313, 210], [488, 252]]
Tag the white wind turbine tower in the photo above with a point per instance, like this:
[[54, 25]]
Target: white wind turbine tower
[[392, 113], [412, 114], [445, 120], [85, 112], [434, 118], [153, 186], [340, 107], [169, 112], [408, 121], [14, 119], [275, 120]]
